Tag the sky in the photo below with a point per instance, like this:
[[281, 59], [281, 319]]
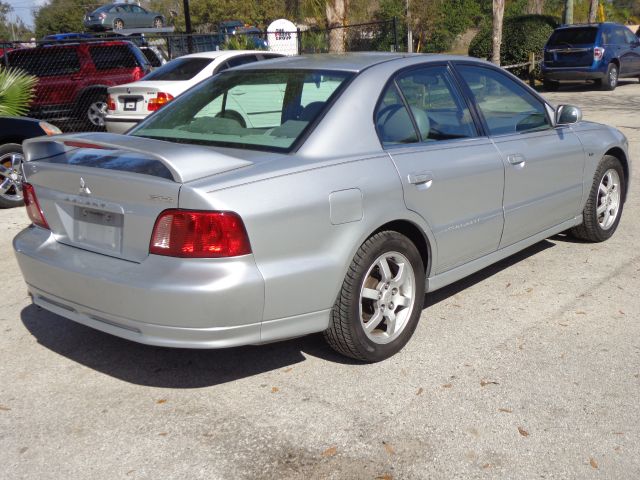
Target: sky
[[23, 9]]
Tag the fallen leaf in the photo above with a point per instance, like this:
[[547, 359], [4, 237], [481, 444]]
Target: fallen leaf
[[621, 312], [508, 285], [385, 476], [505, 410], [130, 472], [163, 434], [420, 390], [563, 324], [593, 463], [287, 370], [447, 385], [275, 389], [529, 290], [23, 449], [580, 312], [523, 432], [486, 465], [3, 408], [617, 449], [388, 448], [484, 383], [330, 452], [161, 401]]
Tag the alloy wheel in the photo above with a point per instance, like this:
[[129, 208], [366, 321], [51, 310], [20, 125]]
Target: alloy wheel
[[11, 177], [608, 199]]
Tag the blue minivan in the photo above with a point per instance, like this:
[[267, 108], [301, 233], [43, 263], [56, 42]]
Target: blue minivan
[[602, 52]]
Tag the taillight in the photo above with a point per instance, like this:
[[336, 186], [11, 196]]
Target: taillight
[[33, 207], [111, 103], [160, 100], [598, 53], [199, 234], [138, 73]]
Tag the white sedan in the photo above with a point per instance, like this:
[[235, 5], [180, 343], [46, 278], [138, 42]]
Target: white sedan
[[130, 103]]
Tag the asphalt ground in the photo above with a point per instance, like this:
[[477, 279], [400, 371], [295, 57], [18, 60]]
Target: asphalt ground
[[528, 369]]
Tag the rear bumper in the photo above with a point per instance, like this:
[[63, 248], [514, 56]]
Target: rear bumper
[[121, 124], [172, 302], [572, 73]]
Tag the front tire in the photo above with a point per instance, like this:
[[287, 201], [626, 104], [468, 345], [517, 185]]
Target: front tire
[[601, 214], [118, 24], [381, 299], [11, 175]]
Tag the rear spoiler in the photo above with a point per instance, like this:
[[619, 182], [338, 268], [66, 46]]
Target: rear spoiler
[[184, 162]]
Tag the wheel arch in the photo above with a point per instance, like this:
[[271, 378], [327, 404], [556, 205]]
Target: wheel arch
[[87, 91], [618, 153], [12, 139], [413, 233]]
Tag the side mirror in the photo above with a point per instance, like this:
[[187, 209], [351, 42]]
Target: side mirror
[[568, 114]]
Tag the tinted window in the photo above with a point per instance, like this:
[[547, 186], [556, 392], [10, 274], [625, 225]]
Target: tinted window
[[179, 69], [152, 57], [437, 107], [506, 106], [246, 109], [630, 37], [45, 62], [137, 9], [393, 122], [112, 56], [617, 36], [573, 36], [237, 61]]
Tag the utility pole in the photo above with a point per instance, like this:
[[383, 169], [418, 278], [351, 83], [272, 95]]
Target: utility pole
[[187, 25], [409, 31]]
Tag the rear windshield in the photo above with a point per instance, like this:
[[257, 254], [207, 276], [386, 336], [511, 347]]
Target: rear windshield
[[261, 109], [179, 69], [573, 36]]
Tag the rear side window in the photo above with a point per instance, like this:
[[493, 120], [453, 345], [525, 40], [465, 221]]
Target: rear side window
[[179, 69], [237, 61], [392, 119], [46, 62], [573, 36], [112, 56]]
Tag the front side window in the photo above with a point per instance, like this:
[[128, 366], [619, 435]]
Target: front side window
[[506, 106], [261, 109]]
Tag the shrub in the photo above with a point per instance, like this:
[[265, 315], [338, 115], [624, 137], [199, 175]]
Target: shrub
[[16, 91], [520, 36]]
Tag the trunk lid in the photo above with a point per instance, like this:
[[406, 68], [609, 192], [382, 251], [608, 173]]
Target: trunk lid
[[134, 97], [103, 192]]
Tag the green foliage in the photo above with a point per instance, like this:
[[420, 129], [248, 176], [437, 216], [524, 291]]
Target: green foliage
[[239, 42], [11, 30], [313, 41], [520, 36], [16, 92], [61, 16]]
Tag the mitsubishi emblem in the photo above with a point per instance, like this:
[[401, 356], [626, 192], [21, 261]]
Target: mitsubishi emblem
[[84, 190]]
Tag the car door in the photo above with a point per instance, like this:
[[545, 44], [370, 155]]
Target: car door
[[634, 51], [451, 175], [624, 50], [543, 164]]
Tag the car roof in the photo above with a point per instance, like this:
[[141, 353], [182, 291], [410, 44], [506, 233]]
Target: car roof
[[225, 53], [349, 62]]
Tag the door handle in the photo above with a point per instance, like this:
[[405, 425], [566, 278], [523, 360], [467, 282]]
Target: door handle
[[420, 178], [516, 159]]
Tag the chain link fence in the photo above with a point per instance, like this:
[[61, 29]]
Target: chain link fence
[[74, 73]]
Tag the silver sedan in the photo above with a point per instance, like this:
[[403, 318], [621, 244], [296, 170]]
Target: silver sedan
[[310, 194]]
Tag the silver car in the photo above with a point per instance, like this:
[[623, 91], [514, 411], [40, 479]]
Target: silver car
[[118, 16], [310, 194]]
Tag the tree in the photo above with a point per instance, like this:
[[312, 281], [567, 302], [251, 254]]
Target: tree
[[568, 12], [61, 16], [498, 14], [535, 7], [12, 30], [593, 11], [336, 11]]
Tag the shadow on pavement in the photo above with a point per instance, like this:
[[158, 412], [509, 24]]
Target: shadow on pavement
[[183, 368]]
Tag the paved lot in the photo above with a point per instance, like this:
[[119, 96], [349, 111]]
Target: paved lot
[[529, 369]]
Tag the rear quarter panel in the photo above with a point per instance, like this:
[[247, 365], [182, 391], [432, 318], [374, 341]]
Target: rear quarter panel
[[305, 227]]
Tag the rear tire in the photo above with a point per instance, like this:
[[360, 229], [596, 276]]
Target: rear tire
[[610, 82], [381, 299], [601, 214], [92, 110], [11, 175]]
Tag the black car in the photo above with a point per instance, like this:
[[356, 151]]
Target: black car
[[13, 130]]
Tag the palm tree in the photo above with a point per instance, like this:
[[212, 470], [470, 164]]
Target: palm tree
[[16, 92]]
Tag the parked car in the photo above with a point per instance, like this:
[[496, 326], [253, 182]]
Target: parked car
[[340, 190], [73, 78], [117, 16], [154, 55], [13, 130], [130, 103], [602, 52], [6, 46], [67, 37]]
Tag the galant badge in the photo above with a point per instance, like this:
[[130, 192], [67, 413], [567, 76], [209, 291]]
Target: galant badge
[[84, 190]]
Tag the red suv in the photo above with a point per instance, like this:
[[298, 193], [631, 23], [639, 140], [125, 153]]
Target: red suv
[[73, 78]]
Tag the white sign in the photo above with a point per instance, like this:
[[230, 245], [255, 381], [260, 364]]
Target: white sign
[[282, 37]]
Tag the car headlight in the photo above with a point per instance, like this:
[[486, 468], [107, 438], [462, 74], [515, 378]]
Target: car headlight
[[49, 129]]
